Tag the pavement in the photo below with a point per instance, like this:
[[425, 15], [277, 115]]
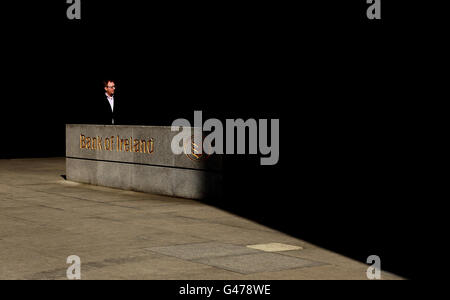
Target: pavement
[[120, 234]]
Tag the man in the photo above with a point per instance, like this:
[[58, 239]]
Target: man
[[108, 111]]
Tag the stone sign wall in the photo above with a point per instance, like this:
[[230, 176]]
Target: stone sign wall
[[139, 158]]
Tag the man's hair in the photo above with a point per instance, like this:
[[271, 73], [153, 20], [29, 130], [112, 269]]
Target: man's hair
[[105, 82]]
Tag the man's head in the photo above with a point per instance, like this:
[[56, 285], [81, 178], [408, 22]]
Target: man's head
[[110, 87]]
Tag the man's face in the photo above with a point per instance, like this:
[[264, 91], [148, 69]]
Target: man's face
[[110, 88]]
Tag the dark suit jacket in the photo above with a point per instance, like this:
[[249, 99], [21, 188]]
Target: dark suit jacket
[[103, 114]]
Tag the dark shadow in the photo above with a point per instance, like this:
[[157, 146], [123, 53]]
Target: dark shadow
[[64, 177], [352, 219]]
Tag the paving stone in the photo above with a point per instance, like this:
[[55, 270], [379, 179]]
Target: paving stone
[[274, 247], [202, 250], [258, 262]]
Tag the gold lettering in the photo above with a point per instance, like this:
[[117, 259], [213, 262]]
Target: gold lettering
[[107, 144], [143, 146], [94, 143], [150, 146], [136, 146], [88, 143], [112, 143], [127, 145], [100, 141], [82, 141]]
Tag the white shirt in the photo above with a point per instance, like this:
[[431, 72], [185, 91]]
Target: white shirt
[[110, 100]]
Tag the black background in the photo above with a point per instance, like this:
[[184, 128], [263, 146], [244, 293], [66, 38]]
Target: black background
[[347, 178]]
